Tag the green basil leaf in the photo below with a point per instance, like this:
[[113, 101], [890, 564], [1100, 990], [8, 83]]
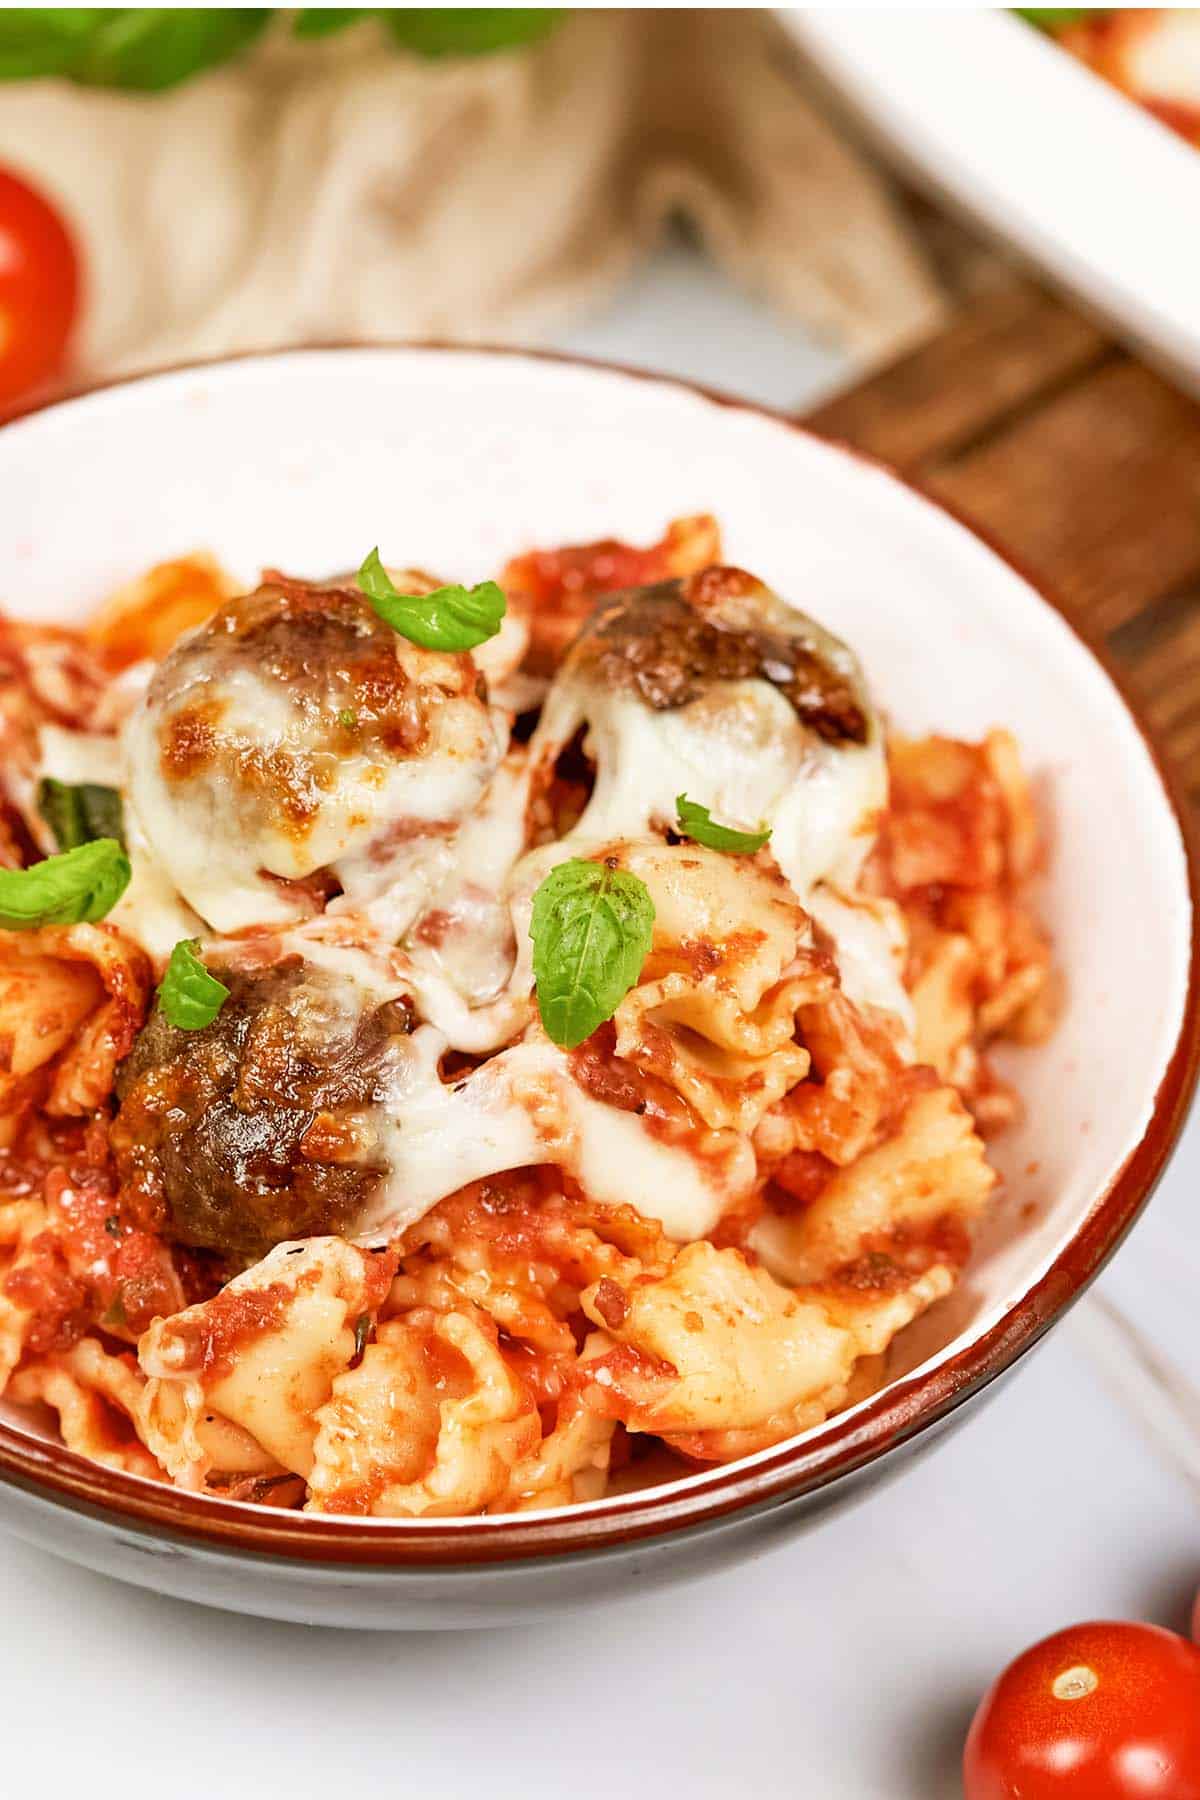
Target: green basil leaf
[[591, 928], [150, 48], [39, 41], [434, 31], [190, 997], [81, 885], [141, 48], [79, 812], [695, 822], [451, 618], [323, 21]]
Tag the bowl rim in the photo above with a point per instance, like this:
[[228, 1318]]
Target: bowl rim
[[847, 1442]]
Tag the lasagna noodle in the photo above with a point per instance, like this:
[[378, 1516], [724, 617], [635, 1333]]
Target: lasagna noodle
[[388, 1442], [97, 1399], [730, 964], [262, 1356], [22, 1222]]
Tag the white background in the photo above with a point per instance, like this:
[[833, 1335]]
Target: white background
[[843, 1667]]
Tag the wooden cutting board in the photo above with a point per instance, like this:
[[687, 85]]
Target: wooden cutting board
[[1074, 456]]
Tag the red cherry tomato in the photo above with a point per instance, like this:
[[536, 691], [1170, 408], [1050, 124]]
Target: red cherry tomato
[[1096, 1712], [39, 289]]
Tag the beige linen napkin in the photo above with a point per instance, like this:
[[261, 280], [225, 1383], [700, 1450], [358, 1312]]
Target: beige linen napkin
[[343, 190]]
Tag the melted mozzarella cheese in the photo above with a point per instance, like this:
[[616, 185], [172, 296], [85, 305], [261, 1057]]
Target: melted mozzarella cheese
[[872, 947], [737, 746], [740, 750], [523, 1108], [736, 756], [150, 910], [466, 952], [78, 756], [369, 971], [218, 855]]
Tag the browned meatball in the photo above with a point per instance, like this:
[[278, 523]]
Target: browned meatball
[[669, 643], [713, 688], [296, 732], [257, 1128]]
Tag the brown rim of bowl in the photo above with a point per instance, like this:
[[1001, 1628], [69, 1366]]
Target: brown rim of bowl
[[848, 1441]]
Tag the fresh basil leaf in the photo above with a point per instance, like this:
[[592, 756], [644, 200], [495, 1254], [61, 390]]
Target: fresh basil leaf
[[79, 812], [148, 49], [451, 618], [80, 886], [435, 31], [592, 927], [142, 48], [695, 822], [151, 48], [190, 997], [363, 1327], [40, 41], [324, 21]]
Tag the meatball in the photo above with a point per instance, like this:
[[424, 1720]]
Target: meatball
[[715, 687], [670, 642], [296, 735], [259, 1127]]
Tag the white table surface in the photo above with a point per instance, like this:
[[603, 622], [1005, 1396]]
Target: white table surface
[[842, 1667]]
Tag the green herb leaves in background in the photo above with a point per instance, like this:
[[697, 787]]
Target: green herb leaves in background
[[324, 21], [695, 822], [79, 812], [142, 48], [591, 928], [190, 997], [434, 31], [78, 887], [147, 49], [437, 31], [51, 40], [451, 618]]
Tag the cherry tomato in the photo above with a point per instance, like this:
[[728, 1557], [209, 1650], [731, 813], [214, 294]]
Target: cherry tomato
[[39, 289], [1096, 1712]]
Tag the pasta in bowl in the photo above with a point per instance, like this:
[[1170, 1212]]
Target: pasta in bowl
[[542, 1071], [480, 1055]]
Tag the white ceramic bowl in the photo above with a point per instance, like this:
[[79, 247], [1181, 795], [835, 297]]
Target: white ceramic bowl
[[995, 116], [452, 460]]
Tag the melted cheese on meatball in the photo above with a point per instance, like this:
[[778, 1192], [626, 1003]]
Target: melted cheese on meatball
[[312, 1105], [297, 738], [716, 688], [523, 1108], [294, 734], [149, 911]]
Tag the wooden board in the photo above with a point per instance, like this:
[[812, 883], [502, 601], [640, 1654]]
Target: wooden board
[[1074, 456]]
